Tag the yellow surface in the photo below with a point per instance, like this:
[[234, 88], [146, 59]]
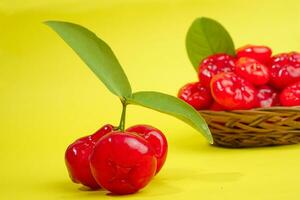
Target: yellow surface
[[49, 97]]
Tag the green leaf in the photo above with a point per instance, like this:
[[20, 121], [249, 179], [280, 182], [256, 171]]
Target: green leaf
[[173, 106], [96, 54], [206, 37]]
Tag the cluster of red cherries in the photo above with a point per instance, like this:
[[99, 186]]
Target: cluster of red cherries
[[121, 162], [251, 79]]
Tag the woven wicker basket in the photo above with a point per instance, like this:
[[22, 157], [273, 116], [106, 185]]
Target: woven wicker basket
[[254, 128]]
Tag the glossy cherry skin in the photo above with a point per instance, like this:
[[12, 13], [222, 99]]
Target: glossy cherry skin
[[233, 92], [252, 70], [290, 96], [267, 96], [123, 162], [260, 53], [213, 65], [196, 95], [217, 107], [77, 157], [156, 139], [285, 69]]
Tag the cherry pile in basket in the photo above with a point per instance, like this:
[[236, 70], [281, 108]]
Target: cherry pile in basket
[[251, 79]]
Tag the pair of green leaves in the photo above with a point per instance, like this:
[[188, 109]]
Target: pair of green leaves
[[206, 37], [101, 60]]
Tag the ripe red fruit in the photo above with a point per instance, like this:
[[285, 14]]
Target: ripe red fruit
[[196, 95], [233, 92], [267, 96], [77, 157], [260, 53], [285, 69], [156, 139], [290, 96], [216, 107], [252, 70], [123, 162], [213, 65]]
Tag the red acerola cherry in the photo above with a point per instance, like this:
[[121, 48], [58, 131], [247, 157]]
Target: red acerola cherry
[[260, 53], [213, 65], [216, 107], [123, 162], [233, 92], [285, 69], [290, 96], [77, 157], [196, 95], [267, 96], [156, 139], [252, 70]]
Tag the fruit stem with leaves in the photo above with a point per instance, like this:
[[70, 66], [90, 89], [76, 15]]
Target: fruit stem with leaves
[[99, 57]]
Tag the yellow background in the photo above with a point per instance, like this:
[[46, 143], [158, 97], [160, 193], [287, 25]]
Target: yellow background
[[49, 97]]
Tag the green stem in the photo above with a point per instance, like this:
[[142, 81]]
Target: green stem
[[123, 116]]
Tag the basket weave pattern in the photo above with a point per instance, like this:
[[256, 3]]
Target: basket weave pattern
[[254, 128]]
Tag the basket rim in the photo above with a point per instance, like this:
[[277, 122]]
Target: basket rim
[[274, 108]]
